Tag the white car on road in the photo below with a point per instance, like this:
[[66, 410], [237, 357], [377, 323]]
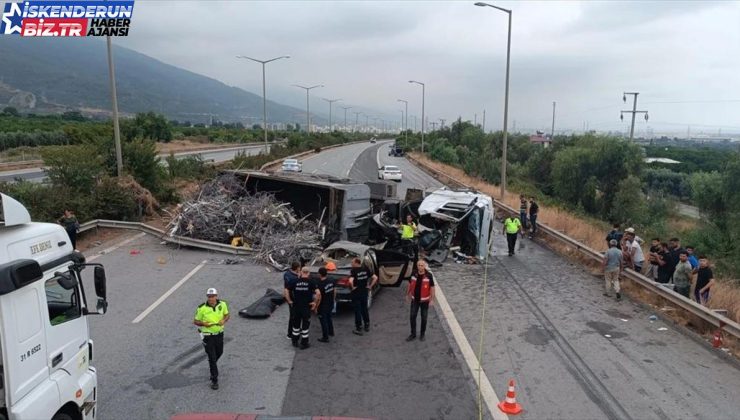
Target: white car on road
[[292, 165], [389, 172]]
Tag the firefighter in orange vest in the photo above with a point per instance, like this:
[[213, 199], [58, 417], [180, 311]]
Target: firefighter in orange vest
[[420, 294]]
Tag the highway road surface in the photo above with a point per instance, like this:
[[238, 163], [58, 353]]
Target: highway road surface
[[216, 156], [573, 353]]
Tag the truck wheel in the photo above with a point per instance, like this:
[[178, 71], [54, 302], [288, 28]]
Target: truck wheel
[[62, 416]]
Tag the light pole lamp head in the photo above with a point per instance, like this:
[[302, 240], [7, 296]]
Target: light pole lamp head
[[481, 4]]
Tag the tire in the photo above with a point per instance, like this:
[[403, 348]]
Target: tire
[[62, 416]]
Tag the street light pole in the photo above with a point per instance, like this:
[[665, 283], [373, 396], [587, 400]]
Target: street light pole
[[406, 122], [264, 89], [308, 106], [506, 99], [331, 101], [345, 108], [552, 130], [423, 95], [357, 117], [634, 112], [114, 100]]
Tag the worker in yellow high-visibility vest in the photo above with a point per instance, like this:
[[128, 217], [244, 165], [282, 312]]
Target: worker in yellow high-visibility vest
[[512, 227], [408, 229]]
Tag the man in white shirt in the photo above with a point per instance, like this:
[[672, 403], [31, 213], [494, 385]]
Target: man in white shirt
[[638, 257]]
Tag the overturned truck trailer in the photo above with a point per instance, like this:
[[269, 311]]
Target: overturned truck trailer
[[341, 205]]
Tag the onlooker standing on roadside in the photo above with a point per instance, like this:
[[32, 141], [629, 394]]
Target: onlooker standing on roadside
[[534, 209], [290, 277], [674, 249], [652, 272], [682, 276], [615, 234], [612, 265], [692, 258], [420, 294], [328, 296], [638, 257], [71, 225], [626, 248], [665, 268], [704, 281], [512, 226], [523, 213]]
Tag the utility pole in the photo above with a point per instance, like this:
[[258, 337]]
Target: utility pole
[[484, 121], [423, 95], [475, 119], [633, 112], [552, 131], [114, 99], [434, 126], [414, 123], [442, 123]]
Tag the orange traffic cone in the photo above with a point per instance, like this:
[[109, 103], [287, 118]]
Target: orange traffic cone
[[509, 405]]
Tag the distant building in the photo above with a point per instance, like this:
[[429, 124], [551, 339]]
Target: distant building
[[540, 138], [661, 160]]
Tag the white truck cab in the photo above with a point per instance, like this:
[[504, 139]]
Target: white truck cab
[[45, 345]]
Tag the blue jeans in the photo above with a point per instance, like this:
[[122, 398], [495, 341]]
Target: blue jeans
[[523, 219], [533, 220], [704, 296]]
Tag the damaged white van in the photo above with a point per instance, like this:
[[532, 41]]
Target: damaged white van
[[456, 219]]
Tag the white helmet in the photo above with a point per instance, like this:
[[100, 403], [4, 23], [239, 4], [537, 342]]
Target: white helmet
[[212, 291]]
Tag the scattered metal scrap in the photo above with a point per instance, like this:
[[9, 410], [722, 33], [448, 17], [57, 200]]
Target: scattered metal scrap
[[223, 210]]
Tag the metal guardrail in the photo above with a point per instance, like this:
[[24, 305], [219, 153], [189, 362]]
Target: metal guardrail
[[713, 318], [172, 239]]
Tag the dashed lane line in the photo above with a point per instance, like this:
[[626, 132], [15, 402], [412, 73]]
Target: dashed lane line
[[161, 299]]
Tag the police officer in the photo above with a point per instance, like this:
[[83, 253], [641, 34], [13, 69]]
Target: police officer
[[409, 232], [210, 317], [512, 227], [361, 282], [305, 297]]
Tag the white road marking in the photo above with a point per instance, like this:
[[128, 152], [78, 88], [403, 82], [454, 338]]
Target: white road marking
[[114, 247], [487, 392], [161, 299]]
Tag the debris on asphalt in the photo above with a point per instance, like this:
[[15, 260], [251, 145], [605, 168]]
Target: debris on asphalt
[[224, 211], [230, 261], [134, 252], [662, 329], [653, 318], [624, 320], [161, 260], [607, 336]]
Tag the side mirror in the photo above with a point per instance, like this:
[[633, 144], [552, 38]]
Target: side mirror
[[102, 306], [100, 289], [66, 281]]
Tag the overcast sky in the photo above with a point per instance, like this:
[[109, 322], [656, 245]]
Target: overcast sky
[[683, 57]]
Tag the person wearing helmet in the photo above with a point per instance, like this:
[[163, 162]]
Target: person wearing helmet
[[210, 318]]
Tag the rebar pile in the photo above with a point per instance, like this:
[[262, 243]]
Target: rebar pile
[[223, 209]]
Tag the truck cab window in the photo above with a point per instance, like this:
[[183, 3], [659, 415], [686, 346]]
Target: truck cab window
[[64, 305]]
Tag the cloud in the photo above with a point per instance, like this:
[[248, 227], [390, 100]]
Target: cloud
[[581, 54]]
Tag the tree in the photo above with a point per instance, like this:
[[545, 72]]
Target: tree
[[11, 111], [629, 205], [77, 167], [147, 125], [141, 160]]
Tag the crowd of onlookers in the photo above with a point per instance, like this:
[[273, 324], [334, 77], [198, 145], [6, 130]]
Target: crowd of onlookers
[[666, 263]]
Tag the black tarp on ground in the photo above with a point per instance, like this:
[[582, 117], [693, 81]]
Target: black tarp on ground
[[264, 306]]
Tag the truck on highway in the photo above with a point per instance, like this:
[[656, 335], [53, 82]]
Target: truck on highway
[[45, 346]]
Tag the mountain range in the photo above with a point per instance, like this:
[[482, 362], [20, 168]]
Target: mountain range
[[47, 75]]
